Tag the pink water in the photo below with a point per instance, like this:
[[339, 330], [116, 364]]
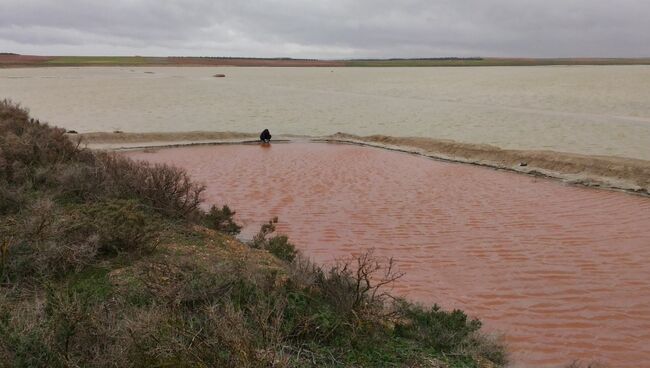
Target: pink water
[[562, 271]]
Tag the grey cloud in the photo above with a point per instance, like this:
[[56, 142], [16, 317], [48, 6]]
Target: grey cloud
[[329, 28]]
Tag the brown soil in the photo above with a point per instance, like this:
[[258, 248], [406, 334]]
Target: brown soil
[[11, 59]]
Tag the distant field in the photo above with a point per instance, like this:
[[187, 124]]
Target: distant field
[[13, 60], [105, 60], [492, 62]]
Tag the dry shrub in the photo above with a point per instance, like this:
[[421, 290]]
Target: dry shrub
[[356, 304], [35, 243], [59, 328], [27, 143], [76, 181], [62, 328], [343, 303], [4, 164], [212, 317], [11, 199], [47, 242], [168, 190], [121, 225], [236, 335], [29, 147], [215, 316], [227, 332], [53, 258], [360, 288], [23, 340], [215, 336], [184, 284], [67, 314], [482, 346], [303, 272], [50, 241], [39, 220]]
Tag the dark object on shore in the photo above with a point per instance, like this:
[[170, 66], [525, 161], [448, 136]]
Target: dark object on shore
[[118, 132], [219, 75], [72, 132], [523, 164], [265, 136]]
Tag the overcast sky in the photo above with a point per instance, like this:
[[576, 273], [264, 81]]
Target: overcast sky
[[327, 28]]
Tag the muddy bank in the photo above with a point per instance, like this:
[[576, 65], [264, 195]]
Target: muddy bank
[[627, 174], [122, 137], [129, 140]]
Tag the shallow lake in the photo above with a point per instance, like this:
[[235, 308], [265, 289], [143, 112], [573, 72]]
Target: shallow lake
[[562, 271], [601, 110]]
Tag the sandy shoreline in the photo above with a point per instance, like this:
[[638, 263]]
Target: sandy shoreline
[[614, 173]]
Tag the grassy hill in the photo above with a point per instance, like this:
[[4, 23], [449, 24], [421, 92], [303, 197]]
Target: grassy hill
[[106, 262]]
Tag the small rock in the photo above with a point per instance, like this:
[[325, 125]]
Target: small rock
[[523, 164], [219, 75]]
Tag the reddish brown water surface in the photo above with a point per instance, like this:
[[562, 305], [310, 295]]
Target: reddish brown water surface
[[562, 271]]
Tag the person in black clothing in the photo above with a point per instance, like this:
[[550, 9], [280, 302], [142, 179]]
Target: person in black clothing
[[265, 136]]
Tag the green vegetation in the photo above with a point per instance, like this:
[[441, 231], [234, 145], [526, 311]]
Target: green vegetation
[[277, 245], [222, 219], [108, 262]]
